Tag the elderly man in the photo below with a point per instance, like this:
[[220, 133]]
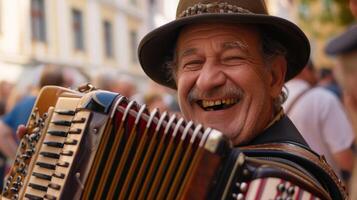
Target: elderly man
[[228, 61]]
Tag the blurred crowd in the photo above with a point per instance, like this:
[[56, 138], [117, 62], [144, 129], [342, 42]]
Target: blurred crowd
[[322, 103]]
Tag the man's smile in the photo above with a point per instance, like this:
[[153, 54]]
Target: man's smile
[[219, 104]]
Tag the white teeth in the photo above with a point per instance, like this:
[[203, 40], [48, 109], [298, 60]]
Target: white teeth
[[228, 101]]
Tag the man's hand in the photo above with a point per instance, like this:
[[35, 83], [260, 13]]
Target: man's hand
[[21, 131]]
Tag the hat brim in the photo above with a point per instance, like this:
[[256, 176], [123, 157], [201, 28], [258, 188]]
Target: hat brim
[[157, 46]]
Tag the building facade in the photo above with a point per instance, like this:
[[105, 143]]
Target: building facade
[[88, 34]]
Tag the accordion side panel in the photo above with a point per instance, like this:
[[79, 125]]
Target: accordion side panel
[[96, 163], [110, 135]]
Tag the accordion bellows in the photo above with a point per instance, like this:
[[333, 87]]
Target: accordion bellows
[[99, 145]]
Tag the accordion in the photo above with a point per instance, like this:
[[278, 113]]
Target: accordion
[[93, 144]]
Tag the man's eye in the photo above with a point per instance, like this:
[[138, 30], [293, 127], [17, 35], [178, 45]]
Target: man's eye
[[232, 59], [194, 64]]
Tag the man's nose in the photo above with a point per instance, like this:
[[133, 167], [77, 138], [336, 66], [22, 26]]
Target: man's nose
[[211, 76]]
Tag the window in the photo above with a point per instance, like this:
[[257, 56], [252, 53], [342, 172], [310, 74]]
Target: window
[[38, 20], [77, 24], [108, 39], [134, 45]]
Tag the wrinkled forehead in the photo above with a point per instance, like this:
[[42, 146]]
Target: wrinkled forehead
[[240, 32]]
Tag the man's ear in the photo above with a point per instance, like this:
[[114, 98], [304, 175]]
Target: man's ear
[[278, 71]]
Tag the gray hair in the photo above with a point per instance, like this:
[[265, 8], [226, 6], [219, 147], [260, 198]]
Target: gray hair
[[270, 48]]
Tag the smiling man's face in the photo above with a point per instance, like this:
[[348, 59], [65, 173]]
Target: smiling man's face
[[223, 82]]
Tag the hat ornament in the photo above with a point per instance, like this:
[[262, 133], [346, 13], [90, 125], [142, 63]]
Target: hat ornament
[[222, 7]]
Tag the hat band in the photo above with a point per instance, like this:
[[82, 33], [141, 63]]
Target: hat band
[[222, 7]]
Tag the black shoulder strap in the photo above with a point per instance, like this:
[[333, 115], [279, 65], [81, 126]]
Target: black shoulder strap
[[316, 165]]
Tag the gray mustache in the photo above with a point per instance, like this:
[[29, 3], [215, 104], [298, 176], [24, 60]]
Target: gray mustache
[[224, 91]]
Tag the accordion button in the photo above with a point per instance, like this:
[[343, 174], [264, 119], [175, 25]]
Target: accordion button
[[240, 196], [291, 191], [243, 187], [281, 187]]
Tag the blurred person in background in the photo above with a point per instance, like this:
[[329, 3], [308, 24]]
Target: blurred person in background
[[122, 84], [344, 49], [320, 117], [51, 75], [327, 80], [167, 94], [156, 100]]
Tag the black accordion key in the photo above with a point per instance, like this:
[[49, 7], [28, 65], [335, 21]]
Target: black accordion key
[[58, 133], [38, 187], [54, 144], [66, 112], [46, 165], [62, 123], [33, 197], [42, 176], [50, 155]]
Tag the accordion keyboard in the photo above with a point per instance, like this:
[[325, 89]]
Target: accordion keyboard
[[56, 155]]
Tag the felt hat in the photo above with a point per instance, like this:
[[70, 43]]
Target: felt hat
[[158, 45]]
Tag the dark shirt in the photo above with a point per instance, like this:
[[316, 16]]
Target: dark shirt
[[281, 131]]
